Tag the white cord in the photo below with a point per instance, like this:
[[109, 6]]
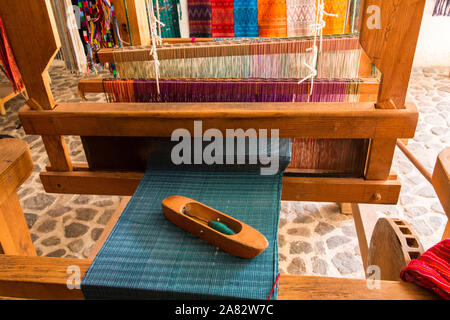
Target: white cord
[[156, 39], [318, 33]]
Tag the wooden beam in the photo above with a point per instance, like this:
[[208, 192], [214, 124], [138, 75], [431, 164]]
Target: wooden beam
[[31, 30], [46, 278], [323, 288], [294, 120], [138, 21], [368, 89], [294, 188], [390, 40]]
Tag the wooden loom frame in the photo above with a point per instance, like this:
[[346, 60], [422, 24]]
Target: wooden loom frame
[[390, 48]]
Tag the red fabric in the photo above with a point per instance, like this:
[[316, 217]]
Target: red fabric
[[431, 270], [7, 61], [222, 18]]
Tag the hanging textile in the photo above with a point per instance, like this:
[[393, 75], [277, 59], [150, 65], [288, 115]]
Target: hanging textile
[[431, 270], [442, 8], [272, 18], [168, 15], [200, 18], [301, 17], [71, 46], [335, 25], [246, 19], [8, 63], [273, 58], [97, 27], [183, 15], [222, 18]]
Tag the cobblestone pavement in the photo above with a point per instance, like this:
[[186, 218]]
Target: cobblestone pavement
[[314, 238]]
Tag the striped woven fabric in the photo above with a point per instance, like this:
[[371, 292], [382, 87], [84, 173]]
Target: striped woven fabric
[[148, 257], [335, 25], [272, 18], [200, 18], [431, 270], [246, 19], [301, 16], [168, 14], [222, 18]]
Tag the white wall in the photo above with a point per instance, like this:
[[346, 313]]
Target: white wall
[[433, 48]]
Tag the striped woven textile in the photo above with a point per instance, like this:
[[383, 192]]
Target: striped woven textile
[[431, 270], [335, 25], [272, 20], [222, 18], [168, 14], [200, 18], [148, 257], [246, 19], [301, 16]]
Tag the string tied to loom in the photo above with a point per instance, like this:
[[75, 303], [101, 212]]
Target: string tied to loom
[[156, 39]]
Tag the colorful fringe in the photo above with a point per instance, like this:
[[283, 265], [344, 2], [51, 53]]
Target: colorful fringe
[[335, 25], [200, 18], [431, 270], [246, 19], [272, 19], [442, 8], [8, 63], [301, 17], [168, 14], [222, 18]]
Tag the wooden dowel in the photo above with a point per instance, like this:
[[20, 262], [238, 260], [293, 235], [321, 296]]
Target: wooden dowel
[[414, 161]]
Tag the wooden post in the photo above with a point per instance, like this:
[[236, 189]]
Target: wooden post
[[57, 153], [31, 30], [138, 21], [380, 157], [15, 167], [389, 33]]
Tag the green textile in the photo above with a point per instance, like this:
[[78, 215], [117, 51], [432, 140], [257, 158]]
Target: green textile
[[148, 257]]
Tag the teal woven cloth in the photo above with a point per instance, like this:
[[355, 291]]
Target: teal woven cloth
[[148, 257]]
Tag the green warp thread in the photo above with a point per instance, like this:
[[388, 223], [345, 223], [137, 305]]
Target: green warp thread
[[221, 227]]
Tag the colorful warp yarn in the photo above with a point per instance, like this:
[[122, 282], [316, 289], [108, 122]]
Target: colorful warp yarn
[[200, 25], [442, 8], [168, 14], [265, 59], [335, 25], [301, 17], [272, 19], [431, 270], [246, 19], [8, 64], [222, 18]]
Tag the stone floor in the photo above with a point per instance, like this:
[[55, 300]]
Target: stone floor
[[315, 238]]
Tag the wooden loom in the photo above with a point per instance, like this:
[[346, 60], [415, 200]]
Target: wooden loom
[[390, 48]]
